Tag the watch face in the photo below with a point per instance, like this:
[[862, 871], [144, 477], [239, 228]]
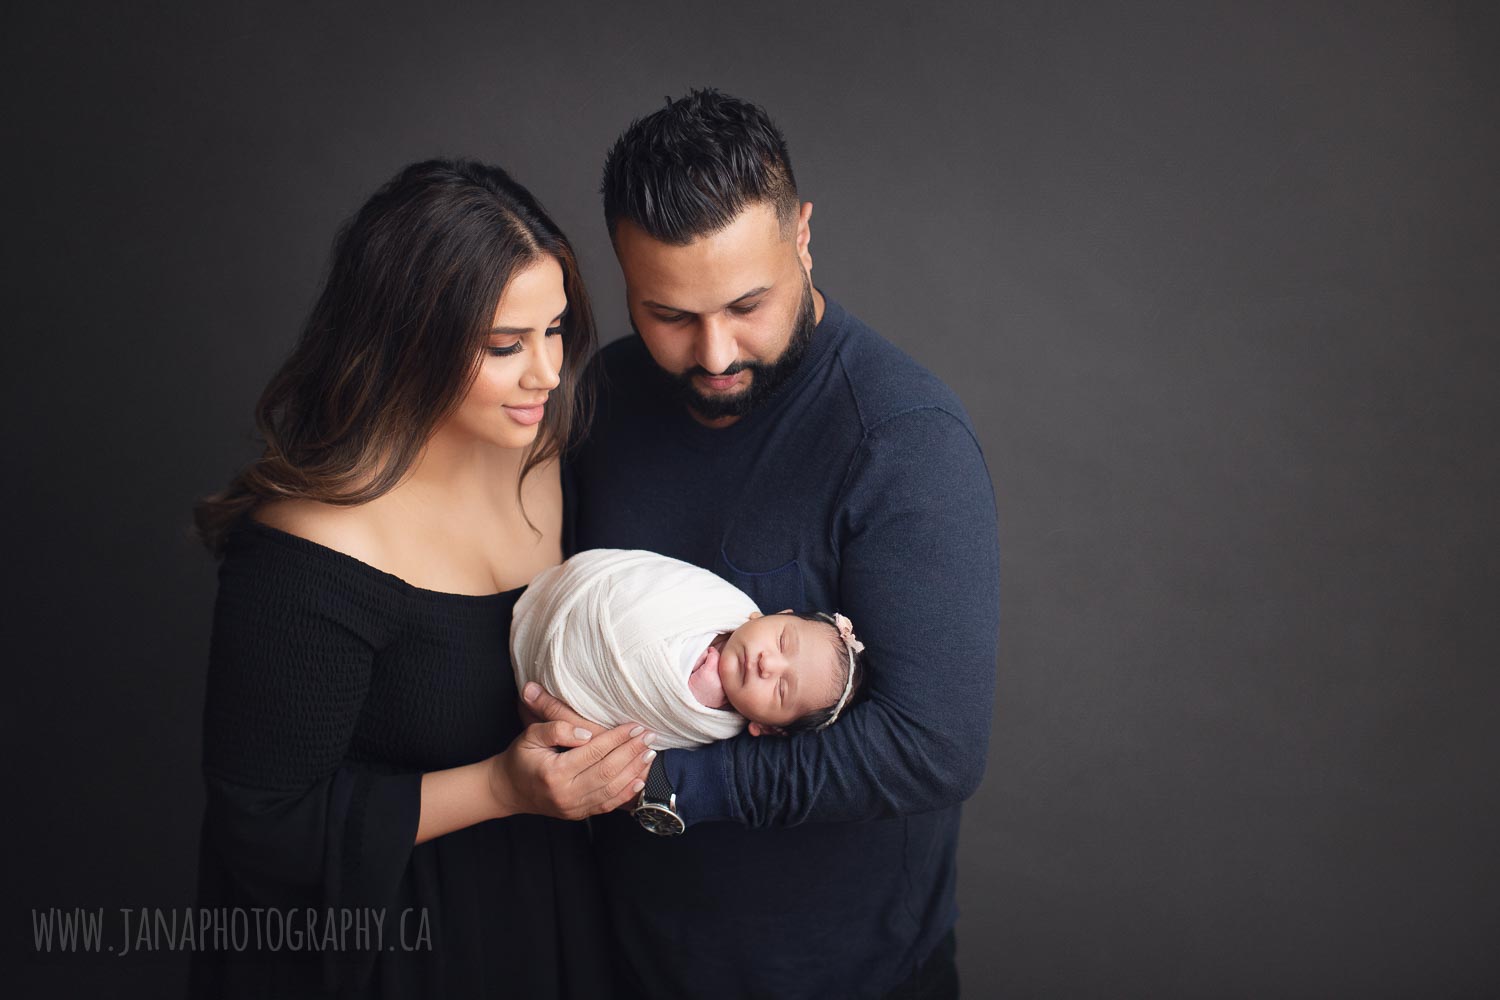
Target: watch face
[[659, 819]]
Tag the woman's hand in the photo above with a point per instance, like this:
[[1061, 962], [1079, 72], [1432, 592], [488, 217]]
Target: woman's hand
[[592, 774], [536, 705]]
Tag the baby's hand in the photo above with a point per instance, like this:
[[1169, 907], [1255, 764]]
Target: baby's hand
[[704, 681], [708, 661]]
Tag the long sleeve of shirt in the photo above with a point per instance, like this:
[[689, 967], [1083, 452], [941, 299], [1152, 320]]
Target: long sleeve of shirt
[[919, 570], [857, 486], [294, 820]]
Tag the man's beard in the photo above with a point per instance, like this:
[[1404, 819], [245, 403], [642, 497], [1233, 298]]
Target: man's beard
[[766, 376]]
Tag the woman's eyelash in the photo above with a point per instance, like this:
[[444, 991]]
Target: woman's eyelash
[[505, 352]]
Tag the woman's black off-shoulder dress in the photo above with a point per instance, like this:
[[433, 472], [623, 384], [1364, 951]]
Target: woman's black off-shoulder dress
[[332, 687]]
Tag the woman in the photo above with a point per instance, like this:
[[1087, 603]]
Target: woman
[[361, 731]]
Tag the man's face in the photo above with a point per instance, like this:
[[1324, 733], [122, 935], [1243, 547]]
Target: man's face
[[726, 317]]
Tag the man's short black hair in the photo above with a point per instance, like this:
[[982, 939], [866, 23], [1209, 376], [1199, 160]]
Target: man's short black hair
[[691, 168]]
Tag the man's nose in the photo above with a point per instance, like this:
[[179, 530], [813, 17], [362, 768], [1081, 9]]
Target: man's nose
[[715, 348]]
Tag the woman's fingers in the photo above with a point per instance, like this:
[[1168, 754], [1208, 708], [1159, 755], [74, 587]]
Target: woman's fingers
[[608, 768], [619, 773], [561, 769], [623, 798], [537, 702], [601, 747], [614, 793], [558, 734]]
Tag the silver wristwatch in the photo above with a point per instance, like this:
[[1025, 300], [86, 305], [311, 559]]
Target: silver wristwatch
[[656, 806]]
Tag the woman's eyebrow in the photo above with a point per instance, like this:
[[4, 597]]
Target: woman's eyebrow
[[516, 331]]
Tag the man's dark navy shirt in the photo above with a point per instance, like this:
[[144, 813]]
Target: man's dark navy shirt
[[822, 864]]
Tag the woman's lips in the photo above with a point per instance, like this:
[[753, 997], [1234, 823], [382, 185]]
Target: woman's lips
[[527, 415]]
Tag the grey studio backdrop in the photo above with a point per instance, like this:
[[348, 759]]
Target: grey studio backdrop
[[1216, 282]]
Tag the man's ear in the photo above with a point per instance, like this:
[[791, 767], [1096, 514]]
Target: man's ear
[[804, 235]]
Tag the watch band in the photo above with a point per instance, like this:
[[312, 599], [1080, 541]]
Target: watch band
[[658, 785], [656, 806]]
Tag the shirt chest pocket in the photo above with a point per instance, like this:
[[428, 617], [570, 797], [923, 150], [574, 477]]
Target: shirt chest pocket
[[773, 588]]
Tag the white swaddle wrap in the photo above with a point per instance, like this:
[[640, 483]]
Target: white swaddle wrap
[[615, 633]]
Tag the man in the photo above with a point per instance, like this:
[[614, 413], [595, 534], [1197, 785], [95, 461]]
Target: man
[[756, 428]]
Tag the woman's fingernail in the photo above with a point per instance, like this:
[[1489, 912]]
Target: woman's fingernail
[[649, 739], [580, 733], [648, 756], [638, 730], [637, 785], [532, 690]]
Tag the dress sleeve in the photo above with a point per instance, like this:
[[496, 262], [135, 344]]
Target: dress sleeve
[[919, 576], [294, 640]]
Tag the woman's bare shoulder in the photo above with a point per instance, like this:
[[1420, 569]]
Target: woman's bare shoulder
[[350, 530]]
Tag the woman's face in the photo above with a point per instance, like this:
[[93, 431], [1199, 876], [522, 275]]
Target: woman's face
[[521, 360]]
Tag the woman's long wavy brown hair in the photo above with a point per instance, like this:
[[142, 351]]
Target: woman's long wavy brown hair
[[396, 339]]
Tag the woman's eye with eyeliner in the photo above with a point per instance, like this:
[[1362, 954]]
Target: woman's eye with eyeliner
[[504, 352], [744, 310]]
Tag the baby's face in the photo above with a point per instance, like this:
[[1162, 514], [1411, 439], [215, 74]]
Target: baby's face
[[777, 668]]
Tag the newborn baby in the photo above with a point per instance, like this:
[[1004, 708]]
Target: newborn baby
[[626, 635]]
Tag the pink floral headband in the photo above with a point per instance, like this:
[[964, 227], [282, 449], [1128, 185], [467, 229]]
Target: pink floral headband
[[845, 629]]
